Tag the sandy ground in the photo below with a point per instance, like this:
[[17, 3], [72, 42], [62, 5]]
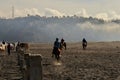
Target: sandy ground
[[100, 61], [9, 70]]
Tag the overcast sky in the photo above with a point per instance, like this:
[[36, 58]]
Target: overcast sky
[[107, 9]]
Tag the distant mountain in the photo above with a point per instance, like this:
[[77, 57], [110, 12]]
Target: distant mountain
[[46, 29]]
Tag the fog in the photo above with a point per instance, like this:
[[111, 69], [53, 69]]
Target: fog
[[92, 32], [72, 29]]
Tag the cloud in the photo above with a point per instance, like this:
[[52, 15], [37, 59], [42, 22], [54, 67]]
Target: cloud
[[4, 14], [33, 11], [114, 15], [102, 16], [108, 15], [53, 12], [24, 12], [82, 13]]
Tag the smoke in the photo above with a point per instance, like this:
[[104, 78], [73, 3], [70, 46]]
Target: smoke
[[100, 32], [75, 32], [41, 29]]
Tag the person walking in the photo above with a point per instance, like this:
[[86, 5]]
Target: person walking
[[8, 48]]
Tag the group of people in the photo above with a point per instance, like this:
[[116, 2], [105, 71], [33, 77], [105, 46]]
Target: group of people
[[6, 46], [58, 46]]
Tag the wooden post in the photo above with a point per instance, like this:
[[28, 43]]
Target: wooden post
[[26, 58], [35, 69], [26, 68], [21, 60]]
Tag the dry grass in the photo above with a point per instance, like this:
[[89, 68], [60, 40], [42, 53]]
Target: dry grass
[[100, 61]]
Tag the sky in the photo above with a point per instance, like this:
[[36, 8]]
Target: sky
[[105, 9]]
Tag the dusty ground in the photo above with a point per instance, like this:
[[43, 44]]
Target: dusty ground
[[100, 61], [9, 70]]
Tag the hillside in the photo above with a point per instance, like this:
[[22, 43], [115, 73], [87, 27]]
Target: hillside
[[46, 29]]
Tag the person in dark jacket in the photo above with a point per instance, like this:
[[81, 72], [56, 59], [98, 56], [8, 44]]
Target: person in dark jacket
[[56, 49], [63, 44], [84, 43], [8, 48]]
